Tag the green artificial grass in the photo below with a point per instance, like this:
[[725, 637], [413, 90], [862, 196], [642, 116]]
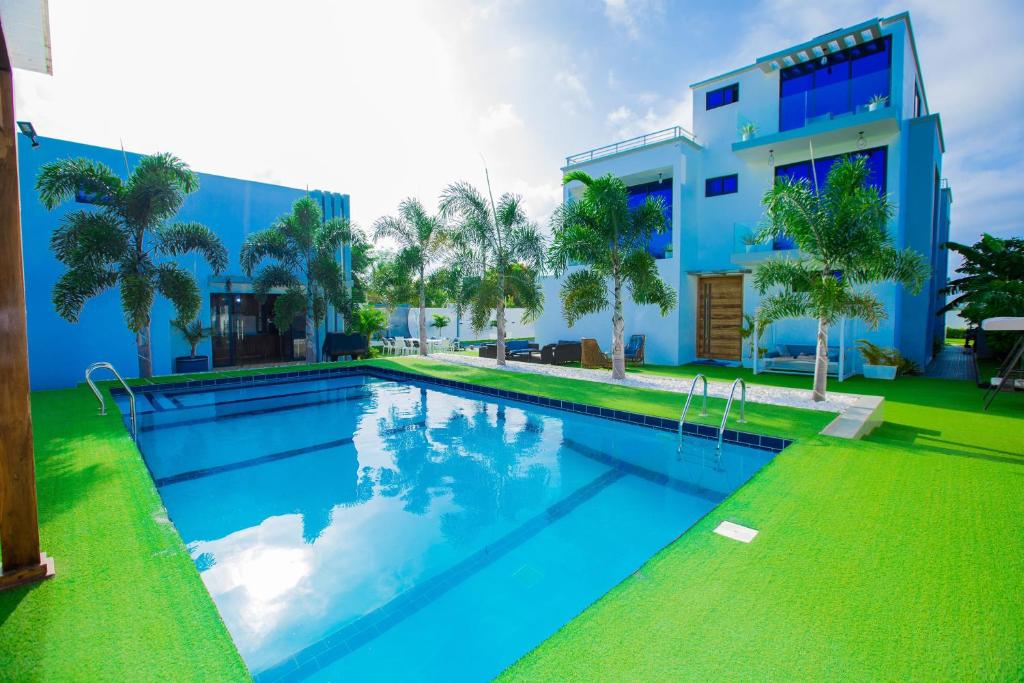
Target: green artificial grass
[[127, 603], [897, 557]]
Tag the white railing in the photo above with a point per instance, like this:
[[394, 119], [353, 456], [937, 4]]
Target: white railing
[[630, 144]]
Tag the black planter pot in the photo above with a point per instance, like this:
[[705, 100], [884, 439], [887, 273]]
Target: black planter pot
[[191, 364]]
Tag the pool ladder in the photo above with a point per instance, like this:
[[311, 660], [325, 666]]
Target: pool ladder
[[99, 396], [704, 406]]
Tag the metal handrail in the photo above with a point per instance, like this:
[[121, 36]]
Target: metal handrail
[[632, 143], [689, 398], [103, 365], [728, 407]]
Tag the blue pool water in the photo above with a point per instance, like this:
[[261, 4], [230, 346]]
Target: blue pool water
[[355, 528]]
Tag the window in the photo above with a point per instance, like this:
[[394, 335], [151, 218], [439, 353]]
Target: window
[[917, 100], [660, 245], [726, 184], [874, 158], [837, 83], [722, 96]]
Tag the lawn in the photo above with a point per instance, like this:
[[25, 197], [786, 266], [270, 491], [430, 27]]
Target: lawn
[[897, 557]]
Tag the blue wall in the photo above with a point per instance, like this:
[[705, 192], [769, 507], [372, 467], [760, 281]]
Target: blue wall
[[60, 351], [924, 229]]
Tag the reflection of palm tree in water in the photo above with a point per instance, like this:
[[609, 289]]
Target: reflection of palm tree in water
[[485, 482]]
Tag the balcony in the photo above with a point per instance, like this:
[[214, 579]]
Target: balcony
[[648, 140], [748, 250], [824, 129]]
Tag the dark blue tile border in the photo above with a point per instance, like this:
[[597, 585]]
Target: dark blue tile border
[[766, 443]]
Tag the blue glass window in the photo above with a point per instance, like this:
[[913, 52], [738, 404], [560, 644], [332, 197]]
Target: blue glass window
[[722, 96], [875, 160], [837, 83], [726, 184], [660, 243]]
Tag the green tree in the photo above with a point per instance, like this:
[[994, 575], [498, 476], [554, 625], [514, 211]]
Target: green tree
[[369, 321], [128, 240], [844, 244], [505, 247], [991, 281], [439, 322], [608, 239], [299, 254], [391, 281], [422, 239]]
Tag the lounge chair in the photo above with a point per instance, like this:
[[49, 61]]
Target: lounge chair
[[592, 356], [634, 351]]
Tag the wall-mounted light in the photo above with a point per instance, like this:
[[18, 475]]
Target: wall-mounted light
[[824, 60], [771, 157], [29, 131], [659, 178], [861, 142]]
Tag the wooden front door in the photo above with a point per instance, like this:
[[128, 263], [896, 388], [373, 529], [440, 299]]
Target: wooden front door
[[719, 317]]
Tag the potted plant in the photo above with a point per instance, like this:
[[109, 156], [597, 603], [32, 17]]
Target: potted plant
[[749, 242], [193, 333], [747, 131], [884, 363], [877, 102]]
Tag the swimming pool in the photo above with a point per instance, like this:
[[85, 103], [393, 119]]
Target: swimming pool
[[355, 525]]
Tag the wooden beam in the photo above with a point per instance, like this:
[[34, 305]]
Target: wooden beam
[[22, 561]]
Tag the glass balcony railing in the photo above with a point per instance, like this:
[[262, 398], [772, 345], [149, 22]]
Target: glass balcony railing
[[802, 106], [744, 240]]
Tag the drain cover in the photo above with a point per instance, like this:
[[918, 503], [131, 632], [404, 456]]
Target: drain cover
[[736, 532]]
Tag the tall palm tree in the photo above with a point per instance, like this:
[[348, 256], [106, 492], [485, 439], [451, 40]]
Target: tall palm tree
[[505, 246], [127, 240], [840, 230], [302, 253], [423, 239], [600, 232]]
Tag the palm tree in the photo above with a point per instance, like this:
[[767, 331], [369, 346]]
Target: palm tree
[[423, 239], [128, 240], [505, 247], [841, 234], [302, 249], [600, 232]]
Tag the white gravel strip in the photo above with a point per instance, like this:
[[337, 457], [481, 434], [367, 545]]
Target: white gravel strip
[[756, 393]]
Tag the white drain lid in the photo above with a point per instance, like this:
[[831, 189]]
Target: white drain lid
[[736, 532]]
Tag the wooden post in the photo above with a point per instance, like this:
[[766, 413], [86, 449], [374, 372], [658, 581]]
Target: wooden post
[[19, 516]]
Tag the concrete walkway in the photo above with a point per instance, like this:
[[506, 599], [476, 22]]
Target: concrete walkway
[[756, 393], [953, 362]]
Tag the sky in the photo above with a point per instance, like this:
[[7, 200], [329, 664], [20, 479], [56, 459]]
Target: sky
[[384, 100]]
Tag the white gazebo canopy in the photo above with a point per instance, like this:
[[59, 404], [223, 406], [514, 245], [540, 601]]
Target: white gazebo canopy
[[1004, 324], [27, 31]]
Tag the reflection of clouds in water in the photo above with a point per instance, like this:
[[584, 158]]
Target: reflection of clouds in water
[[256, 573]]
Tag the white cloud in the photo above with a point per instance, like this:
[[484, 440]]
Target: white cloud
[[500, 118], [620, 115], [668, 113], [571, 82], [628, 15]]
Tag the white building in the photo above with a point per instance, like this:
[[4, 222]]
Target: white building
[[712, 180]]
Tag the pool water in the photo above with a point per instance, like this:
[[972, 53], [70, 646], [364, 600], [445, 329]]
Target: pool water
[[355, 528]]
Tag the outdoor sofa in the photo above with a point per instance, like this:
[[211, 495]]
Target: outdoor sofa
[[337, 344], [798, 358]]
